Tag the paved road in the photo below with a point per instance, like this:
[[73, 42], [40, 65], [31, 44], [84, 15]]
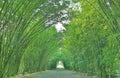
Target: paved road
[[55, 74]]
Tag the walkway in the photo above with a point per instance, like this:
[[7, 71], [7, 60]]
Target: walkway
[[55, 74]]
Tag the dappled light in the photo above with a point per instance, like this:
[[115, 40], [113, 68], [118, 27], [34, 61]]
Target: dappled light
[[59, 38]]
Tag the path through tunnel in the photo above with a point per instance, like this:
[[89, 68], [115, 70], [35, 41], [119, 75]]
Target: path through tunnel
[[38, 35]]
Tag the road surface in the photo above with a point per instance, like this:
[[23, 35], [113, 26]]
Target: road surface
[[55, 74]]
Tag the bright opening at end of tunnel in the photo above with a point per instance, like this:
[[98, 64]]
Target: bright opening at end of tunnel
[[60, 65]]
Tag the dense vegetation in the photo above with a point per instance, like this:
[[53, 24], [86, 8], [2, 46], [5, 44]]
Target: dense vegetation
[[90, 44]]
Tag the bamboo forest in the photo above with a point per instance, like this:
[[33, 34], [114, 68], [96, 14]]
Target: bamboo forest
[[59, 38]]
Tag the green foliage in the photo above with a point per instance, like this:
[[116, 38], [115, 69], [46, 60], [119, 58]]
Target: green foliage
[[91, 43], [17, 31], [59, 56], [36, 54]]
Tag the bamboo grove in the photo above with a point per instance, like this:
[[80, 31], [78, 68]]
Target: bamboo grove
[[90, 44]]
